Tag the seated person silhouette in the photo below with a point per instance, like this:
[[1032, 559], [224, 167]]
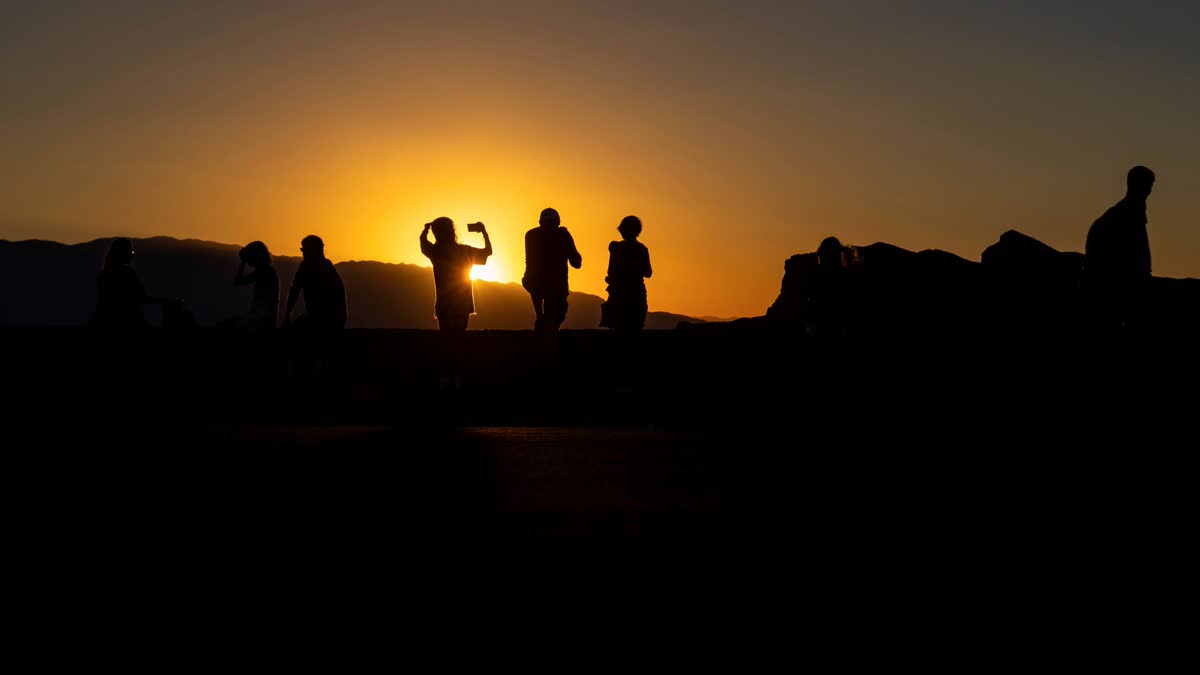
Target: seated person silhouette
[[1117, 254], [628, 268], [264, 304], [548, 249], [827, 299], [452, 263], [119, 293], [324, 294]]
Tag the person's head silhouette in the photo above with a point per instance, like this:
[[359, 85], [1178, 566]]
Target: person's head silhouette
[[549, 218], [1140, 182], [831, 255], [312, 247], [443, 230], [630, 227], [255, 254], [120, 252]]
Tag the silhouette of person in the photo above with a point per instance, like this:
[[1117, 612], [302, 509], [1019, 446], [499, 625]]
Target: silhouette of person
[[264, 305], [324, 294], [452, 263], [827, 299], [548, 249], [628, 268], [1117, 253], [120, 295]]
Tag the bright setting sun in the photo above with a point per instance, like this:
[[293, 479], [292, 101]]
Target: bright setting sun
[[492, 271]]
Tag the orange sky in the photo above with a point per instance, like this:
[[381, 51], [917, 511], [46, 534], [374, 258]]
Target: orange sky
[[740, 133]]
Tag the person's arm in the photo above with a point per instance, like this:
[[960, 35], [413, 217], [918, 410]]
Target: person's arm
[[426, 247], [573, 255], [1143, 246], [487, 244], [525, 278], [646, 271], [479, 256], [293, 295], [241, 279], [148, 299]]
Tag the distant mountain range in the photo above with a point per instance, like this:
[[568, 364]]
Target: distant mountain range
[[48, 283]]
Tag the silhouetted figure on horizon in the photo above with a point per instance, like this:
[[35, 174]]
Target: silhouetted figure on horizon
[[452, 263], [548, 250], [120, 295], [628, 269], [324, 294], [264, 305], [1117, 255], [827, 301]]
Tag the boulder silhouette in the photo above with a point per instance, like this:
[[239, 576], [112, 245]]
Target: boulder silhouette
[[792, 303], [887, 289], [1031, 284]]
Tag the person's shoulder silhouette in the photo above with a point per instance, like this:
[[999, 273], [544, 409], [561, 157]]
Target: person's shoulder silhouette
[[119, 291], [318, 279], [628, 268], [264, 304], [1118, 245]]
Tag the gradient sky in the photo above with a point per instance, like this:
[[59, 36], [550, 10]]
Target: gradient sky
[[740, 132]]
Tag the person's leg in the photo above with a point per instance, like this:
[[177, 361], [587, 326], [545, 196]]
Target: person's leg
[[538, 312], [555, 312]]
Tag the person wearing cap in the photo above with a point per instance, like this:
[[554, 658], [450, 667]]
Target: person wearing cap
[[549, 247]]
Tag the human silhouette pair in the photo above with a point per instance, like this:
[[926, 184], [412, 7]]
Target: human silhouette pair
[[549, 248]]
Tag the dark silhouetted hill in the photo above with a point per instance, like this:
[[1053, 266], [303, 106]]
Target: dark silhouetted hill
[[48, 283]]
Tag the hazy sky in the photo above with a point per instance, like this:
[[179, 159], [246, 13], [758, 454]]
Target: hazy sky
[[740, 132]]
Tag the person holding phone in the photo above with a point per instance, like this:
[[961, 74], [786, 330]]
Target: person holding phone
[[264, 307], [452, 263]]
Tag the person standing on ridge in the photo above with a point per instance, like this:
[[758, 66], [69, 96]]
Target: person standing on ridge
[[324, 294], [1117, 253], [119, 293], [452, 263], [548, 249], [628, 269], [264, 306]]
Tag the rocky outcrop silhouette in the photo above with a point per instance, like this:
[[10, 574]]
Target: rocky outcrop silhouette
[[1020, 285], [885, 288], [1032, 283]]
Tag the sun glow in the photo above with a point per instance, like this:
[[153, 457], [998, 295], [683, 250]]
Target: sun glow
[[492, 271]]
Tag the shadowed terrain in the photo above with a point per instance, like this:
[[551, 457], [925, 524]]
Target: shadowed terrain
[[702, 499]]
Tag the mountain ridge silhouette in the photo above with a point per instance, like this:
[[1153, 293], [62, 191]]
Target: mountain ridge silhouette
[[51, 283]]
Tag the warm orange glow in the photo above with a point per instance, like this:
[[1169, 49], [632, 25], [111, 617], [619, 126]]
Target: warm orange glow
[[739, 137], [490, 272]]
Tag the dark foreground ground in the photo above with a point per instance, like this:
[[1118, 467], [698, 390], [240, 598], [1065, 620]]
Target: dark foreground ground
[[695, 500]]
